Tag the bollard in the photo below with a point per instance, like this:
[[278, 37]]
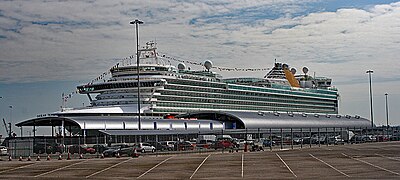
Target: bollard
[[102, 156], [38, 158], [59, 157], [80, 156], [69, 156], [48, 158], [20, 158], [245, 147], [29, 158], [118, 155], [9, 158]]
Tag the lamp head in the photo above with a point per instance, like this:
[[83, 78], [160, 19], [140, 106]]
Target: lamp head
[[136, 21]]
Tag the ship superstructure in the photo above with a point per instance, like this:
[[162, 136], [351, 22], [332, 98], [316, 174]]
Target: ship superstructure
[[166, 89]]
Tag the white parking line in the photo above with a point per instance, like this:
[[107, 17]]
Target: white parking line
[[54, 170], [329, 165], [392, 158], [16, 168], [108, 168], [154, 167], [286, 165], [199, 166], [371, 164], [242, 163]]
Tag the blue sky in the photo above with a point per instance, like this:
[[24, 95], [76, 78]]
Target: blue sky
[[50, 47]]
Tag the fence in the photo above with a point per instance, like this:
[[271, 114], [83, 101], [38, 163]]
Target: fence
[[224, 140]]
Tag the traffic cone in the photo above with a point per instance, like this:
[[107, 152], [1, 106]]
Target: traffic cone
[[59, 157], [9, 158], [29, 158], [38, 158], [48, 158], [69, 156], [20, 158], [80, 156], [102, 156], [118, 155], [135, 154]]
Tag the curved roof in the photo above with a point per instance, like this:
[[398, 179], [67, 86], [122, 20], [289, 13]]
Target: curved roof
[[122, 123], [253, 120], [205, 121]]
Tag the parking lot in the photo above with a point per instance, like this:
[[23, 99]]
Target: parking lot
[[368, 160]]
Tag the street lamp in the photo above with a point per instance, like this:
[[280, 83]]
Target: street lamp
[[136, 22], [387, 110], [370, 96], [11, 107]]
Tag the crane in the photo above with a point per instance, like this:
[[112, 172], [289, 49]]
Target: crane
[[7, 129]]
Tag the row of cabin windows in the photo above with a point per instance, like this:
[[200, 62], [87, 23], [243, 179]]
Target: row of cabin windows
[[223, 101], [246, 107], [225, 86], [232, 91], [247, 88], [252, 98]]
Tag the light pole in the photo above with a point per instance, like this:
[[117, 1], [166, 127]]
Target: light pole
[[370, 96], [136, 22], [11, 107], [387, 114], [387, 110]]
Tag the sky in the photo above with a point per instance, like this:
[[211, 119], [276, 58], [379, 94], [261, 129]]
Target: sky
[[49, 47]]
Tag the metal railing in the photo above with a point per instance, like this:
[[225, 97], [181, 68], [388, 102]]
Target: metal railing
[[224, 140]]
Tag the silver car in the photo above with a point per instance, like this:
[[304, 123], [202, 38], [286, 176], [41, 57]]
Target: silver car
[[146, 147]]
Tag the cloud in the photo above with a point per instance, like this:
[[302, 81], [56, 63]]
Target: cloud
[[53, 40]]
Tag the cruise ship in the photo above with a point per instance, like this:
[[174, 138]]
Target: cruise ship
[[168, 90], [155, 95]]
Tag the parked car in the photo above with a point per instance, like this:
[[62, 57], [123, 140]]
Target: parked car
[[113, 150], [169, 144], [223, 144], [184, 145], [99, 148], [81, 149], [3, 151], [128, 151], [308, 140], [297, 140], [159, 146], [204, 144], [268, 143], [146, 147]]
